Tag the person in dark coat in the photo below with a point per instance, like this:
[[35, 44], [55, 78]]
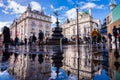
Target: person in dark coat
[[110, 39], [34, 39], [25, 41], [40, 36], [6, 36], [16, 41], [115, 34]]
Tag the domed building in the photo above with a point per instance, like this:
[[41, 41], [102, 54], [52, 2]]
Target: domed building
[[30, 22], [86, 24]]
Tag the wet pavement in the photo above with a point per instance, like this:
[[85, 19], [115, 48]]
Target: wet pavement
[[60, 63]]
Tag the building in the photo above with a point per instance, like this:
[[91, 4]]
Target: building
[[106, 21], [86, 23], [30, 22], [115, 19], [112, 19]]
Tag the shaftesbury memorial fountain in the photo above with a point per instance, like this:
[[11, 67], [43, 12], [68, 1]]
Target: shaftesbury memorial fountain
[[57, 33]]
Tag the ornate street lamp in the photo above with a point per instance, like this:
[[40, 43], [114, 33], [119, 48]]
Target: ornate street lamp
[[77, 41]]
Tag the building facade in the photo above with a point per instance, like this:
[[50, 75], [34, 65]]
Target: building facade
[[85, 25], [30, 22], [115, 21]]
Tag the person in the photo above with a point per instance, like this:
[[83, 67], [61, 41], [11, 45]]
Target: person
[[94, 35], [115, 34], [40, 37], [119, 34], [6, 36], [34, 39], [30, 40], [16, 41], [25, 41], [110, 39]]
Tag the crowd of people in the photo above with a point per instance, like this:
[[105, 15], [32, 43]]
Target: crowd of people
[[95, 38], [32, 40], [115, 37]]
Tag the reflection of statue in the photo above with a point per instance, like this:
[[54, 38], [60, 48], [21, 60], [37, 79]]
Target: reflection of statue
[[57, 58], [5, 57]]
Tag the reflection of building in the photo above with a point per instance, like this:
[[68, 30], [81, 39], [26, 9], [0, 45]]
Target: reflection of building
[[85, 25], [87, 66], [114, 69], [30, 67], [31, 22]]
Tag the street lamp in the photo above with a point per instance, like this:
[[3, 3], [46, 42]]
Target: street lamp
[[77, 40], [16, 28]]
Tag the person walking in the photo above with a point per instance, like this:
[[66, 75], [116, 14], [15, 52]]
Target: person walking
[[40, 37], [110, 39], [16, 41], [119, 35], [94, 36], [115, 34], [25, 41], [34, 39]]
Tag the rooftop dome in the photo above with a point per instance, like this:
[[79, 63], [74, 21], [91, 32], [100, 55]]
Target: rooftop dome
[[83, 13]]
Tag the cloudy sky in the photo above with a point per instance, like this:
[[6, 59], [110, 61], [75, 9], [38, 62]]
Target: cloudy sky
[[11, 9]]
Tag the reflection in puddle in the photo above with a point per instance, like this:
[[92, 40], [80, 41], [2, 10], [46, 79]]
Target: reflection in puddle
[[54, 63]]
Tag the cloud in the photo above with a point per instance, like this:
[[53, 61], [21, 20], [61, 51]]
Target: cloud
[[35, 6], [53, 19], [71, 1], [2, 24], [71, 13], [12, 7], [15, 7], [93, 0], [60, 8], [91, 5], [1, 4], [4, 11], [51, 6]]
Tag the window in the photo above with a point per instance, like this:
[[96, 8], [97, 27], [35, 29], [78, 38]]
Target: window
[[33, 24], [47, 27], [40, 25]]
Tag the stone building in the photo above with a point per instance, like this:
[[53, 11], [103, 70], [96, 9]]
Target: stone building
[[86, 23], [115, 18], [30, 22]]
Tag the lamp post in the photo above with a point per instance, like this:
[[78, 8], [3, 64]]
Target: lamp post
[[77, 41], [16, 28]]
